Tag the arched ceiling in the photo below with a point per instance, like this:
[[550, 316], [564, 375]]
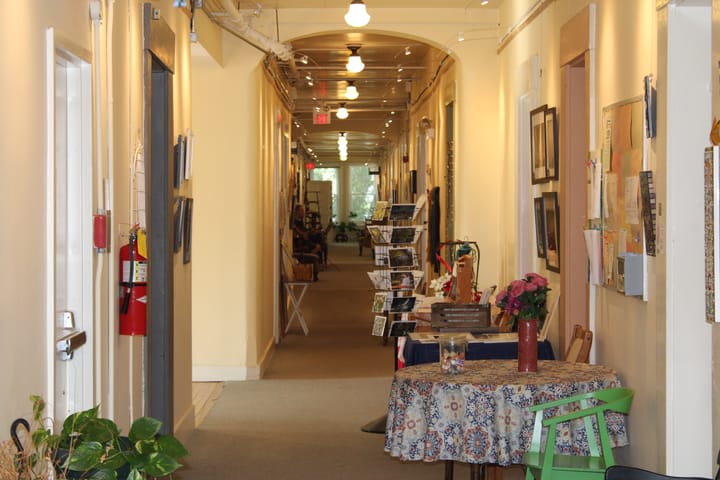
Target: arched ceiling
[[396, 72]]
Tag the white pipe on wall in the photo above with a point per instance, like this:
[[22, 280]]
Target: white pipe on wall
[[112, 304], [96, 15]]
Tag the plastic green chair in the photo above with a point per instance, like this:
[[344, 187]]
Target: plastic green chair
[[542, 463]]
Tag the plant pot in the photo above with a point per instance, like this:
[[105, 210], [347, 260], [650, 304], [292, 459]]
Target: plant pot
[[527, 345]]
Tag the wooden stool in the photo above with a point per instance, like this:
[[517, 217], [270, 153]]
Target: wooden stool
[[295, 301]]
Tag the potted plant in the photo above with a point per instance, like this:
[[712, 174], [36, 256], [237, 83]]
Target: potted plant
[[89, 447]]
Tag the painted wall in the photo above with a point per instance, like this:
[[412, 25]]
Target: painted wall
[[22, 153], [226, 102], [649, 343], [231, 130]]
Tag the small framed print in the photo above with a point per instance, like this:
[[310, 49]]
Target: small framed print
[[551, 216], [551, 138], [378, 329], [538, 152], [540, 227]]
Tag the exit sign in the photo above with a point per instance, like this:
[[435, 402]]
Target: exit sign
[[321, 118]]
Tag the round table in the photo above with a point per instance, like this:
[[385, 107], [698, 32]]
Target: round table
[[481, 416]]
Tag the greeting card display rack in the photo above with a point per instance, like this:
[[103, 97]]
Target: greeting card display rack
[[397, 277]]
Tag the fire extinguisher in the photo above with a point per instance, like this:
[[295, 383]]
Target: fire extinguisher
[[133, 285]]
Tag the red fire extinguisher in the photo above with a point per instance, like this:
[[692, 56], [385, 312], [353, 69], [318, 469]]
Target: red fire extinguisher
[[133, 285]]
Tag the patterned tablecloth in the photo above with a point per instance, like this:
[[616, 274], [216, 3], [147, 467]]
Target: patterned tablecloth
[[481, 415]]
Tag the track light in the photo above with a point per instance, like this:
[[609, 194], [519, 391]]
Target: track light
[[357, 15], [351, 92], [407, 51], [354, 63], [342, 112]]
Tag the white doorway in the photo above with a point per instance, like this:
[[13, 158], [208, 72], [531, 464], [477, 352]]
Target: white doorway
[[69, 250]]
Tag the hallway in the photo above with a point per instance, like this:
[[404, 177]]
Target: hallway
[[303, 419]]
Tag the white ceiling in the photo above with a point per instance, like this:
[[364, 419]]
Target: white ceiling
[[371, 4], [379, 116]]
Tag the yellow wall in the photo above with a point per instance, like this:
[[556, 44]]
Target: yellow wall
[[226, 114], [649, 343], [22, 152]]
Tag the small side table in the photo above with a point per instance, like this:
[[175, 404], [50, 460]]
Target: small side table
[[296, 297]]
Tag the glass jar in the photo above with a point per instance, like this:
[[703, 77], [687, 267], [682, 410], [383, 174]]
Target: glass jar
[[452, 353]]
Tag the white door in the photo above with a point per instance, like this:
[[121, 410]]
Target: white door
[[69, 221]]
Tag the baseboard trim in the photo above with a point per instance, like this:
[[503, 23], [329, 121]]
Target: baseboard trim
[[185, 426]]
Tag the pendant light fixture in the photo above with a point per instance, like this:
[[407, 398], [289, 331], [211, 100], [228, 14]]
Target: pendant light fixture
[[342, 112], [351, 92], [354, 63], [357, 15]]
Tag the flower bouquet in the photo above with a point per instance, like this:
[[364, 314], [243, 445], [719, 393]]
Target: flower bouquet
[[524, 298], [524, 301]]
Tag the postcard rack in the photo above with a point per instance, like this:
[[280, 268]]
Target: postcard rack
[[397, 275]]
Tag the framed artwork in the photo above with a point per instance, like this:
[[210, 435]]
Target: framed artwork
[[551, 217], [538, 152], [712, 233], [540, 227], [402, 304], [401, 257], [179, 220], [187, 231], [551, 141], [402, 280]]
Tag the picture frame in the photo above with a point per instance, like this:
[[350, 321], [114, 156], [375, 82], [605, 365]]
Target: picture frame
[[402, 304], [187, 231], [551, 218], [402, 235], [379, 302], [712, 233], [401, 257], [400, 328], [402, 280], [402, 211], [378, 329], [538, 152], [551, 144], [540, 227], [178, 222]]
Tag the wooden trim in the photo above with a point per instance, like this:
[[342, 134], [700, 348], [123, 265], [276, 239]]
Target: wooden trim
[[524, 22]]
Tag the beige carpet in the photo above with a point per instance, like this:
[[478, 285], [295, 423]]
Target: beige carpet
[[303, 419]]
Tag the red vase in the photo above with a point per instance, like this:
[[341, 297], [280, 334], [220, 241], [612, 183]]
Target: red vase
[[527, 345]]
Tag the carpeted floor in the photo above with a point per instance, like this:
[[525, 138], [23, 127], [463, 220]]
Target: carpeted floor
[[303, 419]]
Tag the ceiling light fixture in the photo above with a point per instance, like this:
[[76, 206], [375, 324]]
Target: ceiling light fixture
[[342, 112], [304, 59], [357, 15], [407, 51], [461, 37], [351, 92], [354, 63]]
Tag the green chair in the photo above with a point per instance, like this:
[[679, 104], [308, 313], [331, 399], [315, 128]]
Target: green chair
[[542, 463]]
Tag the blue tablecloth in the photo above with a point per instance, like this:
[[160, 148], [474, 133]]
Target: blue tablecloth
[[416, 352]]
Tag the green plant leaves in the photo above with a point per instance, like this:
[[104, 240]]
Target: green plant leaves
[[172, 446], [85, 456], [144, 428]]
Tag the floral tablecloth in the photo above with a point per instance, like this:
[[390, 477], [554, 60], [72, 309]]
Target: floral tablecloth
[[481, 415]]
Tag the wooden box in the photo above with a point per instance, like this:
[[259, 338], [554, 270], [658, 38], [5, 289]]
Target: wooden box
[[461, 317]]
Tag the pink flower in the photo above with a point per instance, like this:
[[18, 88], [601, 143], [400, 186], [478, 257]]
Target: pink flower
[[517, 287], [530, 287], [500, 296], [536, 279]]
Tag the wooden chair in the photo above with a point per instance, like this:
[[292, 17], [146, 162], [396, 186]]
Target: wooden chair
[[579, 349], [617, 472], [543, 463]]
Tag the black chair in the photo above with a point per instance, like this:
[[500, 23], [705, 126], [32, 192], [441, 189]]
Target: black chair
[[619, 472]]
